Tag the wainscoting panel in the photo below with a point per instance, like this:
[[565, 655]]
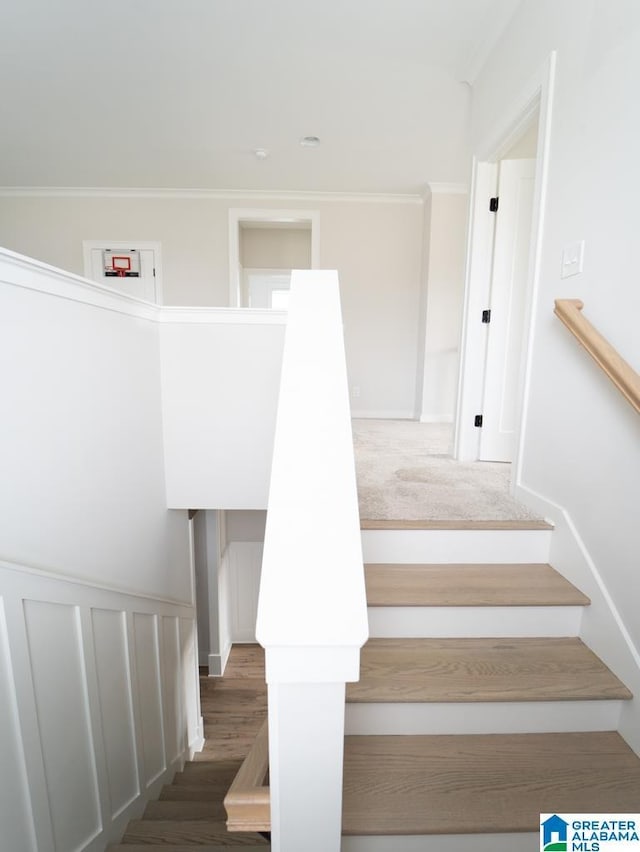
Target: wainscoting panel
[[57, 667], [145, 629], [175, 734], [83, 708], [15, 810], [116, 703]]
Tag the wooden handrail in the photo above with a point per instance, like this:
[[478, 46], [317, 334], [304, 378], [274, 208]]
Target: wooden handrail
[[603, 353], [248, 801]]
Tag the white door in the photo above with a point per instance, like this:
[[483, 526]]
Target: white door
[[145, 285], [507, 301]]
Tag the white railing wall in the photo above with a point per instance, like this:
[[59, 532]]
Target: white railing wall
[[312, 617]]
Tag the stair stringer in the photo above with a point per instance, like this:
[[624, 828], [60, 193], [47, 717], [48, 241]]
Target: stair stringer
[[602, 627]]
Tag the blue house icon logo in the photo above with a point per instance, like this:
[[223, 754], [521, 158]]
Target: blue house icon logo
[[554, 834]]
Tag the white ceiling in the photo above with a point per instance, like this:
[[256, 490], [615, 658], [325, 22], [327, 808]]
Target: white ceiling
[[179, 93]]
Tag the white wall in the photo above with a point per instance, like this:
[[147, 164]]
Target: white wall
[[442, 305], [375, 245], [275, 248], [581, 438], [220, 380]]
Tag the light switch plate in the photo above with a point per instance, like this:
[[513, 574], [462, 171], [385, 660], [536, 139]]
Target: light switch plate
[[572, 259]]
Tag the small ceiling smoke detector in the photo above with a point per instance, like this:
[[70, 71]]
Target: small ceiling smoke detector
[[261, 153], [310, 141]]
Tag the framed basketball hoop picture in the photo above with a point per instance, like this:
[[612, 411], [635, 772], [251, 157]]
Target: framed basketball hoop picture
[[121, 264]]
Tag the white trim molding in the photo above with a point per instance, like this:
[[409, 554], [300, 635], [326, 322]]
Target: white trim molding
[[206, 194], [447, 188]]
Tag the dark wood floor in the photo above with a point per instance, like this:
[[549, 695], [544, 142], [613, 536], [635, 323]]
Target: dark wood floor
[[234, 706]]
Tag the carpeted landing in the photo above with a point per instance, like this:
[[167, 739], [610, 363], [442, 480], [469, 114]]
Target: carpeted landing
[[405, 471]]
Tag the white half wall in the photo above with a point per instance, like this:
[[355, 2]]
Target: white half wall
[[375, 244], [220, 383], [82, 489]]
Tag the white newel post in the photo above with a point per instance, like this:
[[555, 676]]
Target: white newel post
[[312, 617]]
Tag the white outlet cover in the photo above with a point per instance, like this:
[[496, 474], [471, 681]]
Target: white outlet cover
[[572, 259]]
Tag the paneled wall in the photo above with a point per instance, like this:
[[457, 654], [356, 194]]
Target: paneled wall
[[98, 708]]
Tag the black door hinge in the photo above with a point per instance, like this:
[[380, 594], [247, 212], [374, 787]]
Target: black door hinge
[[486, 316], [493, 204], [478, 420], [154, 272]]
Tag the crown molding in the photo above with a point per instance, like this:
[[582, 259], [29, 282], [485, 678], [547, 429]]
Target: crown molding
[[234, 195]]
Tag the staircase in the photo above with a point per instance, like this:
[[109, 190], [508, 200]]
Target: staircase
[[189, 814], [478, 706]]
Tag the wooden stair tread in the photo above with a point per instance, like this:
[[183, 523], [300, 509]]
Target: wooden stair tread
[[263, 846], [194, 792], [220, 767], [484, 783], [469, 585], [186, 832], [185, 810], [469, 670], [430, 524], [210, 773]]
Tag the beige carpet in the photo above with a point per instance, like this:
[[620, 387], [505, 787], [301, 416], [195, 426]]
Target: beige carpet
[[405, 472]]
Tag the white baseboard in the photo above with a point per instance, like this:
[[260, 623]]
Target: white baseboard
[[382, 414], [218, 662], [602, 627], [443, 843], [197, 743], [436, 418], [480, 717], [416, 622], [480, 546]]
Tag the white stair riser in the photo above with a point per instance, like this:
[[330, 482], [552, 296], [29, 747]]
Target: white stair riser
[[456, 546], [416, 622], [486, 717], [443, 843]]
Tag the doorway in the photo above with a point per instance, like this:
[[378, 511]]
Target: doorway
[[264, 246], [505, 318], [495, 349]]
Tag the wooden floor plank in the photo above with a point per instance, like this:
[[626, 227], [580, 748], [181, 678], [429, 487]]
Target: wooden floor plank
[[490, 783], [469, 585], [465, 670]]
